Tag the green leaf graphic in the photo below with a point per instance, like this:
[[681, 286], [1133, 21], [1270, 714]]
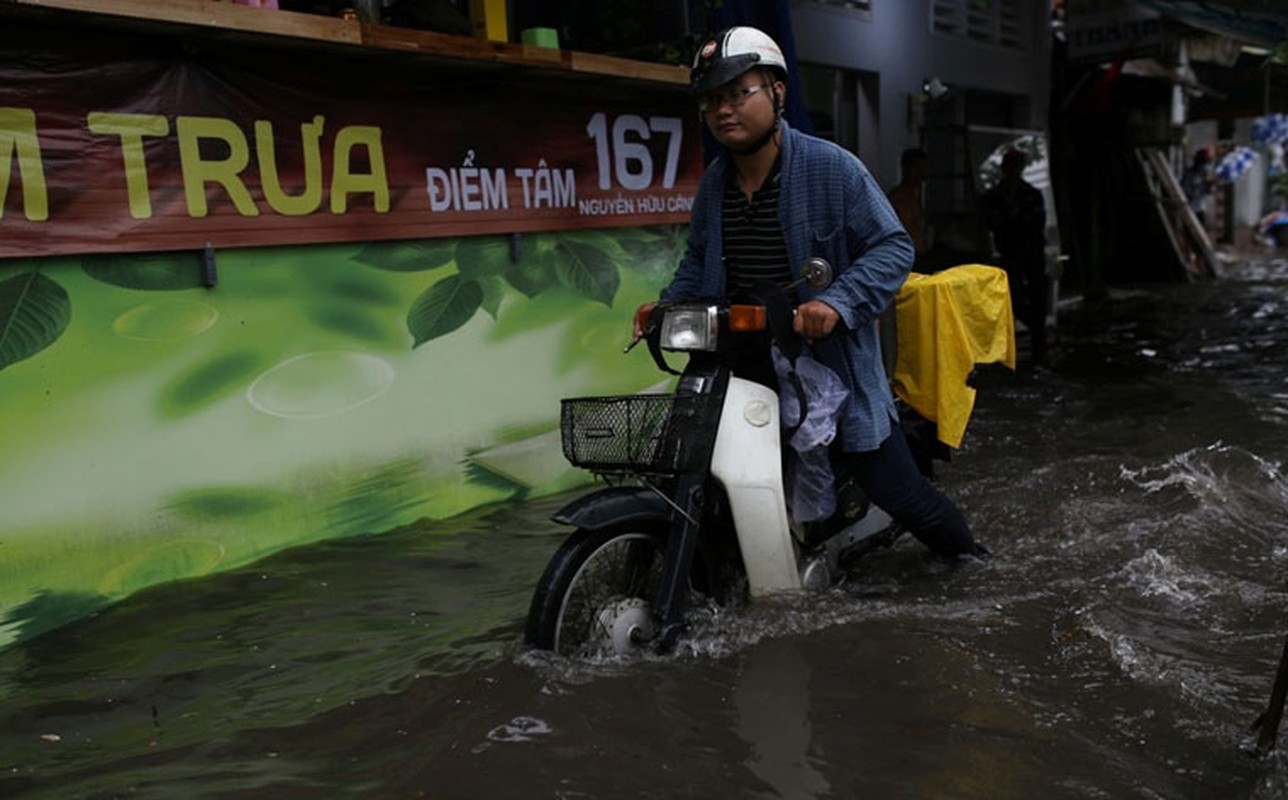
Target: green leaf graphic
[[482, 476], [407, 256], [149, 271], [608, 243], [353, 322], [34, 312], [493, 294], [588, 270], [48, 609], [549, 308], [225, 502], [478, 256], [362, 287], [650, 236], [532, 276], [208, 383], [442, 308], [652, 249]]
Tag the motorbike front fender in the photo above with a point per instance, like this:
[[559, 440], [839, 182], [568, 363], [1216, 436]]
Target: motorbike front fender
[[612, 506]]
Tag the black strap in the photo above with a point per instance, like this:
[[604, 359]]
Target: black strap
[[654, 344], [780, 316]]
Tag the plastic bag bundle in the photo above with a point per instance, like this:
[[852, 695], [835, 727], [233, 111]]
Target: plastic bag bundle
[[810, 398]]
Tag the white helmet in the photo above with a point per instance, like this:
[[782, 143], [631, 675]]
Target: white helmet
[[731, 53]]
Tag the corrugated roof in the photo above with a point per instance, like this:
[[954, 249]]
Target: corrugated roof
[[1259, 22]]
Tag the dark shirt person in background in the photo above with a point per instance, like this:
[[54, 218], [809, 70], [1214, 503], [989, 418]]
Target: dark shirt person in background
[[1016, 214], [906, 197]]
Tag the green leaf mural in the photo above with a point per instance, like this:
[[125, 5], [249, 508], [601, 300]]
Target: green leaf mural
[[208, 382], [588, 265], [532, 276], [47, 610], [551, 307], [598, 244], [365, 290], [493, 294], [34, 312], [291, 335], [482, 476], [353, 322], [226, 502], [407, 256], [443, 307], [653, 250], [480, 256], [148, 271]]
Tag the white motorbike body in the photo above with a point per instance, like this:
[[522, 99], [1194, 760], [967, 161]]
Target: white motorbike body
[[747, 461]]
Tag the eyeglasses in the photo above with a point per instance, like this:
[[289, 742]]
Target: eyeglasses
[[734, 97]]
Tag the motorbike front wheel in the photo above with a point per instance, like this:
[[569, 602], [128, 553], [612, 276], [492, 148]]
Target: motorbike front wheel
[[595, 597]]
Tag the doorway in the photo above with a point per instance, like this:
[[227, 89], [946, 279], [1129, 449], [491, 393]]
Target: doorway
[[844, 107]]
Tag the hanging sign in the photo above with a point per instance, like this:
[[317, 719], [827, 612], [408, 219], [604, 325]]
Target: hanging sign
[[1098, 31]]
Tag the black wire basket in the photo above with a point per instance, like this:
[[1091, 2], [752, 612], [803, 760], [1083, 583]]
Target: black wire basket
[[655, 434]]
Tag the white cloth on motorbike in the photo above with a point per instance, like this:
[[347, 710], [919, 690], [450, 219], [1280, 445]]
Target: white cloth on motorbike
[[809, 481]]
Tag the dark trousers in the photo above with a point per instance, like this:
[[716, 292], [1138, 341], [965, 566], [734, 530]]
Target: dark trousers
[[890, 477], [1029, 289]]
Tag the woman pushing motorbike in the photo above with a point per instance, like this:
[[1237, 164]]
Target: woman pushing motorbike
[[771, 200]]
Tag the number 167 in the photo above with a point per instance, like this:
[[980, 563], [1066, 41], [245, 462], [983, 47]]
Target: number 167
[[632, 162]]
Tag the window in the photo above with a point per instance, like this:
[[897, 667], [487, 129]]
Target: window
[[853, 5], [995, 22]]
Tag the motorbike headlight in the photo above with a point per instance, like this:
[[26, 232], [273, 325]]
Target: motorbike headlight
[[689, 328]]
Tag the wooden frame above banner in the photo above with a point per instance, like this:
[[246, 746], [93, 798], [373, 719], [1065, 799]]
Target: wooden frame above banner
[[230, 19]]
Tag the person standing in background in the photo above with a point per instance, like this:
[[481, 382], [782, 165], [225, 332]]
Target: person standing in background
[[1197, 184], [1016, 214], [907, 197]]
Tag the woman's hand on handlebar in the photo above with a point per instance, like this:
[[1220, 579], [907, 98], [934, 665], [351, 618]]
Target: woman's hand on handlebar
[[815, 320]]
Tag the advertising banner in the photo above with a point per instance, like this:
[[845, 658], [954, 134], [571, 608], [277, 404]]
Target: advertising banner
[[139, 142]]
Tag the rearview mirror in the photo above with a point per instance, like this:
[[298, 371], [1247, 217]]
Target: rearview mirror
[[816, 273]]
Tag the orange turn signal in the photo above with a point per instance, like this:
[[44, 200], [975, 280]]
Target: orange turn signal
[[744, 319]]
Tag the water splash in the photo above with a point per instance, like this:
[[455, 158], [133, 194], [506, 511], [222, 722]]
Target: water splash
[[1156, 575], [520, 729], [1236, 491]]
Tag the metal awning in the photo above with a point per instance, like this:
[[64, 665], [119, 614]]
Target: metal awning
[[1259, 22], [1183, 76]]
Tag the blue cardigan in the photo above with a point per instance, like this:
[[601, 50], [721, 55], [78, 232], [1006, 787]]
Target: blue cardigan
[[829, 206]]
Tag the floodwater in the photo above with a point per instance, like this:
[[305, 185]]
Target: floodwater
[[1120, 645]]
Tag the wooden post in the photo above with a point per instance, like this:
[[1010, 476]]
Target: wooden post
[[1269, 721]]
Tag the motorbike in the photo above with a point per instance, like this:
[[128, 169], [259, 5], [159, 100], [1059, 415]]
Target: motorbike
[[693, 504]]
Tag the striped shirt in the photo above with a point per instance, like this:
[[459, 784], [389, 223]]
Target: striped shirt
[[832, 208], [754, 248]]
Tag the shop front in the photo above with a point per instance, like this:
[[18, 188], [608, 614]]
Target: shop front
[[270, 278]]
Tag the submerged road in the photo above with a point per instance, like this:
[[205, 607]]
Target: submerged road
[[1119, 645]]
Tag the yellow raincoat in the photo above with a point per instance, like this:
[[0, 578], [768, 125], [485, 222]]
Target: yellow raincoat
[[947, 323]]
